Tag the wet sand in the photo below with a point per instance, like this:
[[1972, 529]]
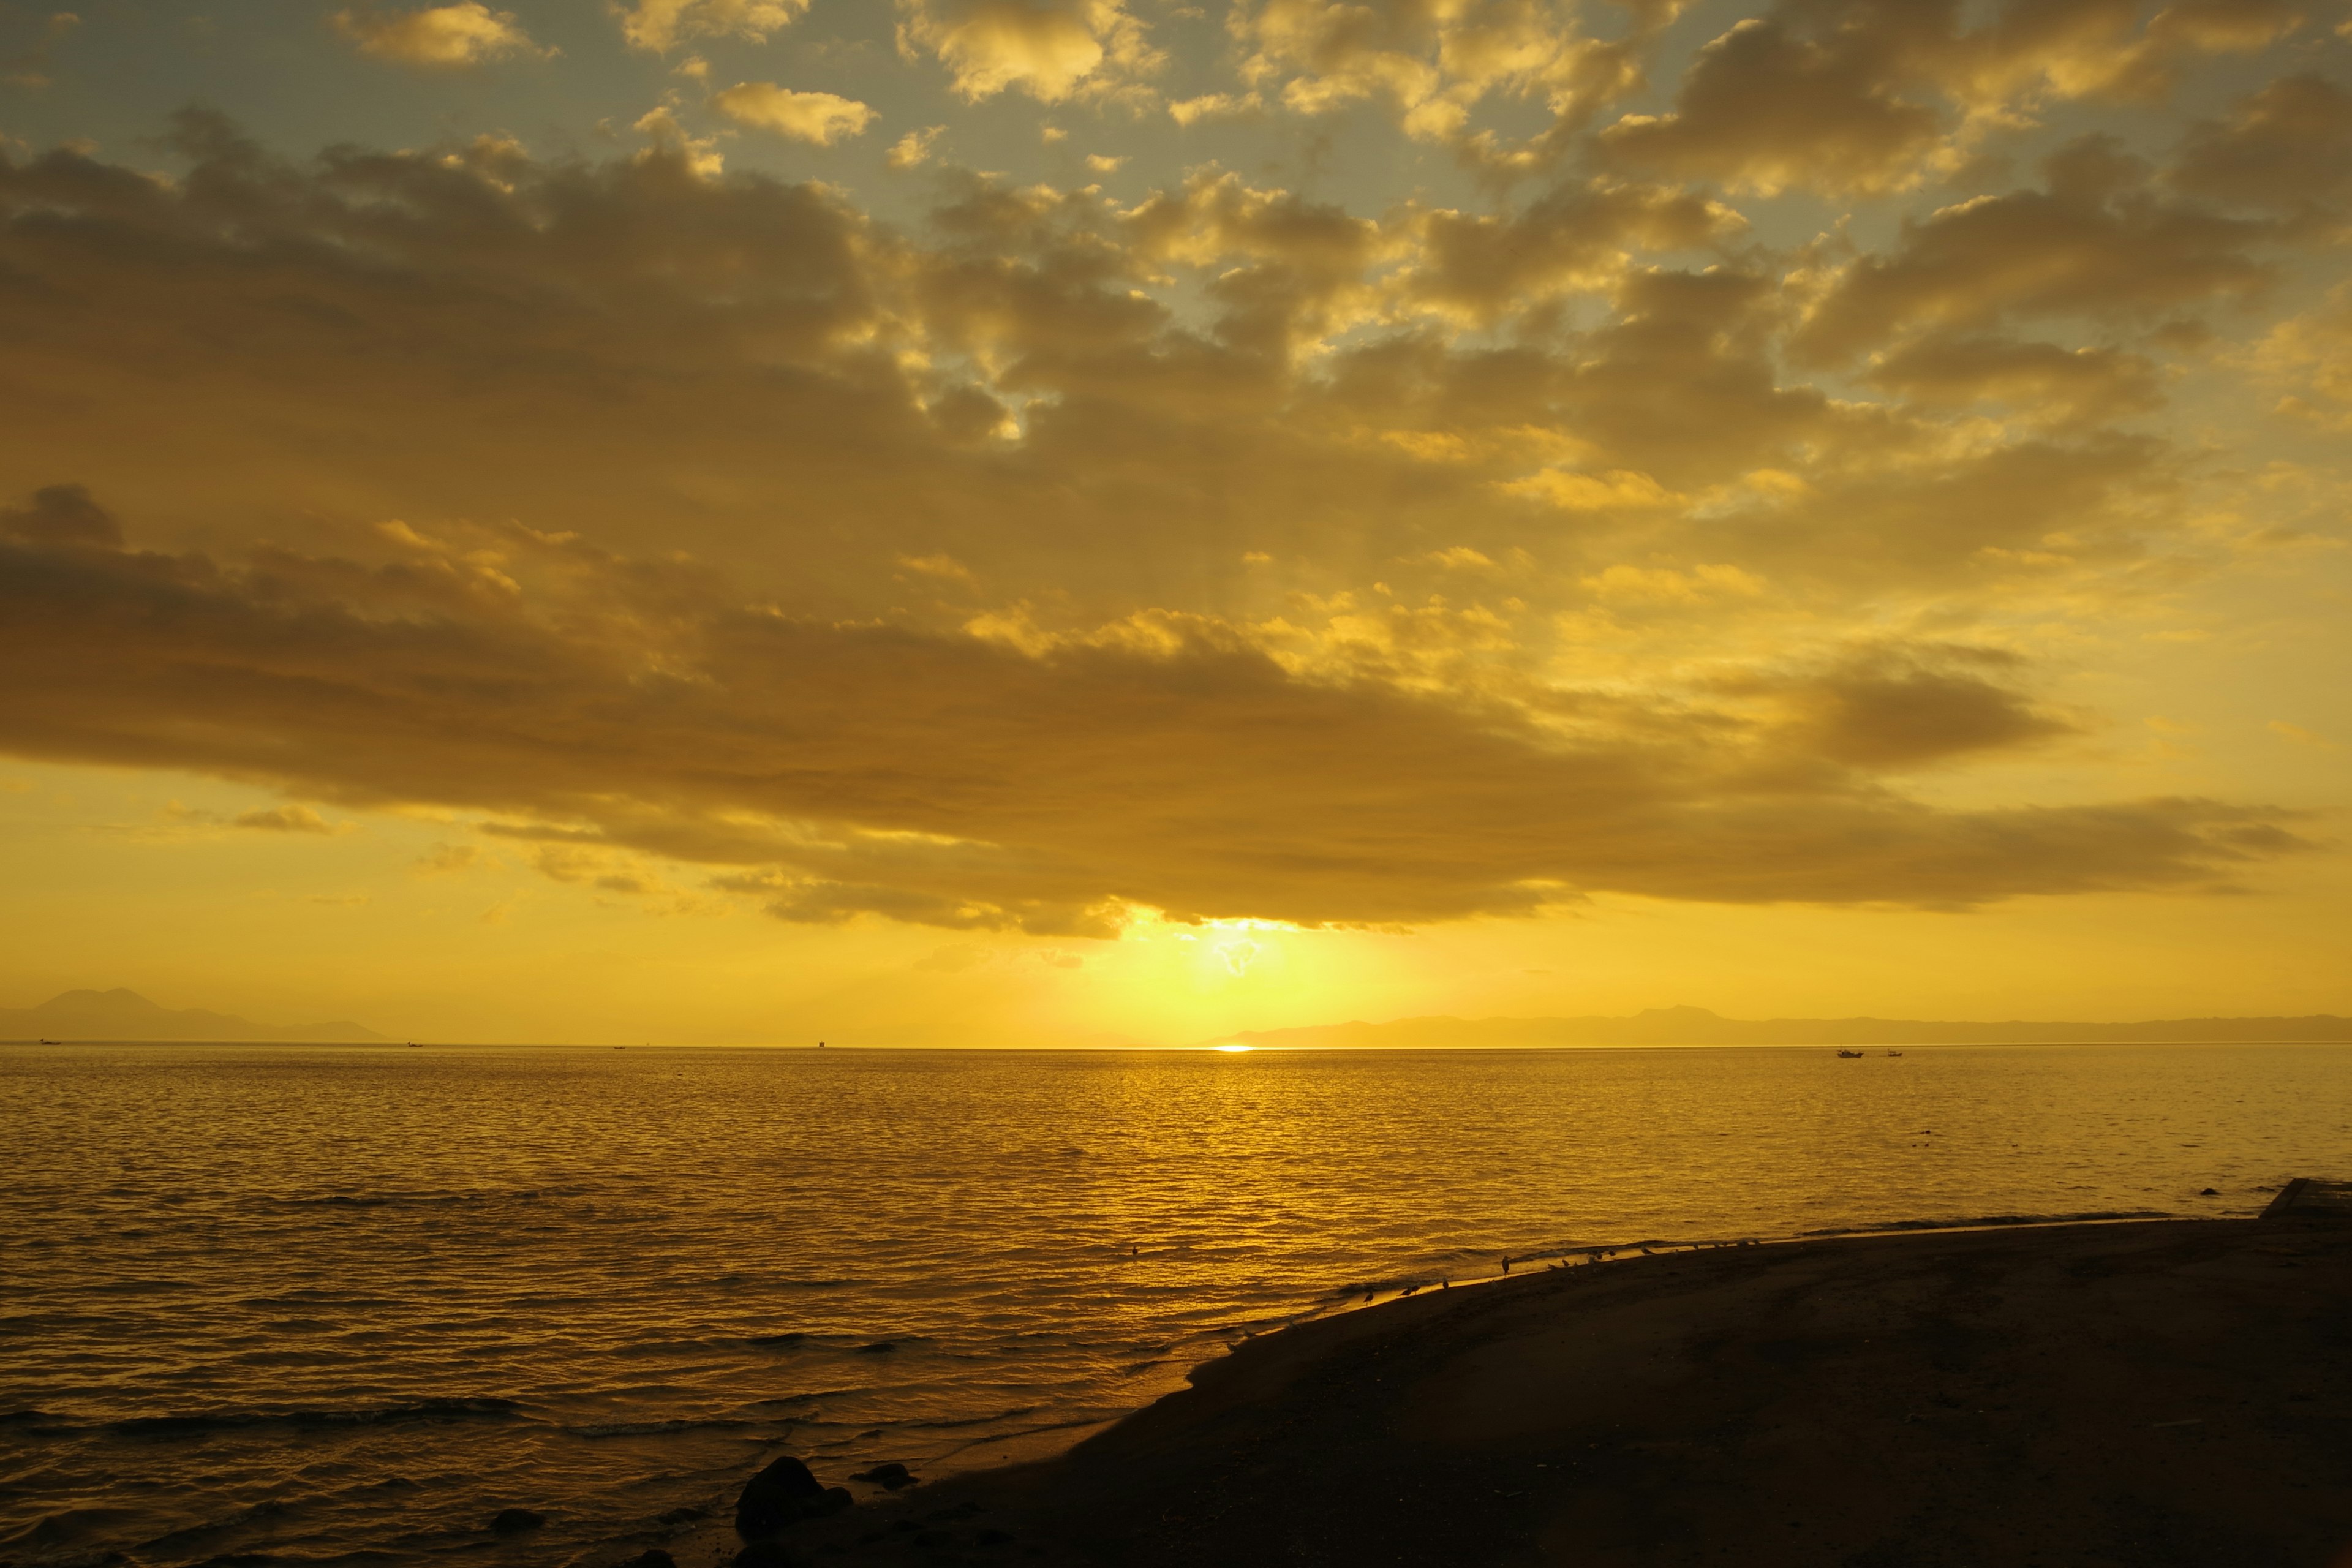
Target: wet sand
[[2116, 1394]]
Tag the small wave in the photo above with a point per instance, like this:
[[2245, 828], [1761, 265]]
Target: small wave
[[655, 1428], [786, 1284], [988, 1419], [430, 1199], [803, 1398], [68, 1528], [487, 1409]]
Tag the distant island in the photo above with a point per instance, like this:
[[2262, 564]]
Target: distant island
[[1698, 1027], [121, 1015]]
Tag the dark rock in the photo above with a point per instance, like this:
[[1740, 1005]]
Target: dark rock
[[651, 1557], [784, 1493], [889, 1476], [511, 1520], [2209, 1192], [765, 1554], [878, 1347], [995, 1538]]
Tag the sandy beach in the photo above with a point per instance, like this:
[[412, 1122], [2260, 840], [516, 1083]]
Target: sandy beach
[[2133, 1393]]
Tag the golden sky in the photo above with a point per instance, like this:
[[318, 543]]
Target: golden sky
[[1068, 520]]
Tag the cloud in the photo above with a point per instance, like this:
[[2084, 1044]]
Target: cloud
[[914, 148], [1869, 98], [670, 143], [1767, 106], [823, 118], [1905, 708], [1581, 236], [2040, 381], [1668, 585], [59, 515], [1432, 66], [1050, 49], [288, 819], [30, 67], [960, 783], [1619, 488], [2287, 148], [946, 568], [2301, 736], [465, 33], [1290, 272], [2309, 356], [443, 859], [2093, 244], [660, 26], [567, 862], [1212, 106]]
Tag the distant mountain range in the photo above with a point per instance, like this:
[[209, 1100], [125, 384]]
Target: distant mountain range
[[121, 1015], [1698, 1027]]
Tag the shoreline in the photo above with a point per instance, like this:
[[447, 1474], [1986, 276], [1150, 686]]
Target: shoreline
[[2132, 1391]]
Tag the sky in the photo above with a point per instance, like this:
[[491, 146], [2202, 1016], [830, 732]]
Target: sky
[[1084, 521]]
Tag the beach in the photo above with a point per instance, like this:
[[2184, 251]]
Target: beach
[[2151, 1392]]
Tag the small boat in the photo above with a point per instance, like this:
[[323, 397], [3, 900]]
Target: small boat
[[415, 1046], [1855, 1054], [1895, 1053], [53, 1042]]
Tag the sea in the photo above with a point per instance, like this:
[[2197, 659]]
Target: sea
[[343, 1304]]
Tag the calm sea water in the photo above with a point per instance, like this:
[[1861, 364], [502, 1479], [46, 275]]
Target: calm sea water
[[341, 1305]]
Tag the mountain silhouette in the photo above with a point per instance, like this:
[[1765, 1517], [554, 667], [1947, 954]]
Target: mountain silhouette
[[121, 1014], [1699, 1027]]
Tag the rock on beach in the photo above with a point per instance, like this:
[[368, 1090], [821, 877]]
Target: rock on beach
[[784, 1494]]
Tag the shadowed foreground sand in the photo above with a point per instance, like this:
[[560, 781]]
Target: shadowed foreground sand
[[2125, 1395]]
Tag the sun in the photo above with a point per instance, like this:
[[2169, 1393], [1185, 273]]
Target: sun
[[1232, 1047]]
